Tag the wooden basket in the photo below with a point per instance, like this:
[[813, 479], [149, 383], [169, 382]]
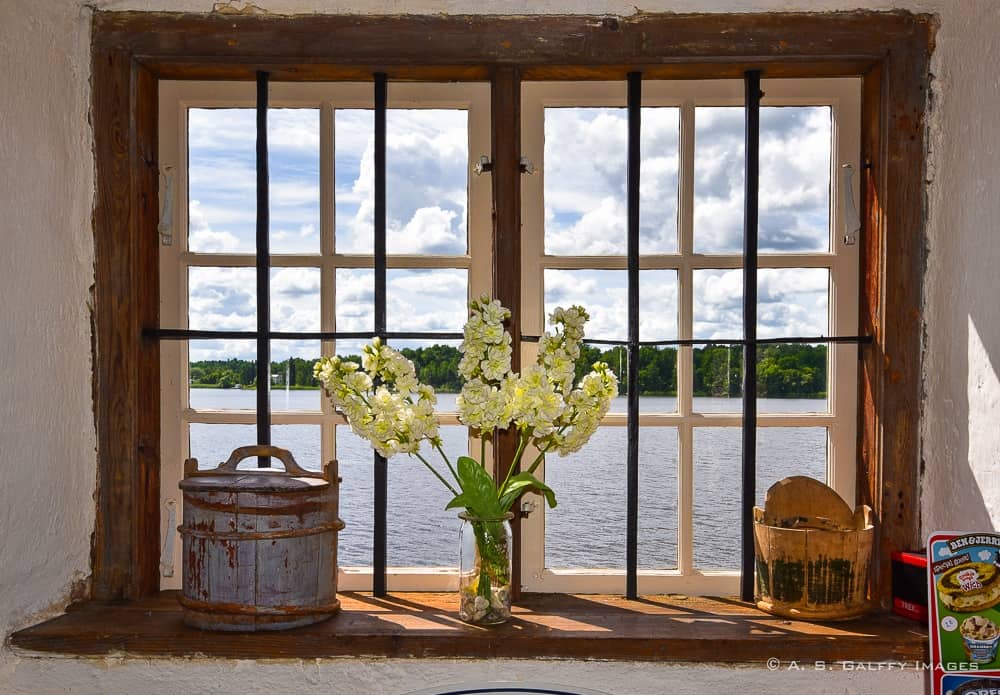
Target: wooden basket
[[813, 553]]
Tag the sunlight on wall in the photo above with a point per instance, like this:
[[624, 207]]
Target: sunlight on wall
[[984, 407]]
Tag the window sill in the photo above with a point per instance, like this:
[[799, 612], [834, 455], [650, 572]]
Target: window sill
[[660, 628]]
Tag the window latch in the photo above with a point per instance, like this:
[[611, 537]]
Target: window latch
[[852, 221], [527, 507], [484, 164], [165, 227], [167, 551]]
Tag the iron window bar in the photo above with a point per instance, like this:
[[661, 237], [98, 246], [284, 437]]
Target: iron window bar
[[852, 339], [263, 262], [197, 334], [634, 104], [751, 106], [380, 537]]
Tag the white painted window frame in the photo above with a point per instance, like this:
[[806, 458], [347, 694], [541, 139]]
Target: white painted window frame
[[175, 98], [843, 95]]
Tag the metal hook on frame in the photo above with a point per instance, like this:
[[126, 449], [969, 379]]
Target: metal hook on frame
[[484, 164], [852, 220], [165, 226]]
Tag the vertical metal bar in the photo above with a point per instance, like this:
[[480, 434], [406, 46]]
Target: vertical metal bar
[[263, 275], [752, 147], [381, 482], [632, 492]]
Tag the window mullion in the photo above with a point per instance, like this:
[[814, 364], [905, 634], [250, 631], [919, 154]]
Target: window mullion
[[685, 354], [327, 281]]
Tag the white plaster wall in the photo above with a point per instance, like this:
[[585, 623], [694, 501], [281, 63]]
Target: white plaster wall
[[47, 460], [47, 439]]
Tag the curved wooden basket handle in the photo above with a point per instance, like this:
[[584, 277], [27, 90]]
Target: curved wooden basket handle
[[284, 455]]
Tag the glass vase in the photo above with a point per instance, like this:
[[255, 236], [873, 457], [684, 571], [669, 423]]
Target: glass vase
[[484, 569]]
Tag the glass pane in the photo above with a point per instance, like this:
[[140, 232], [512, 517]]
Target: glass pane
[[584, 181], [355, 461], [795, 145], [212, 444], [781, 452], [657, 497], [436, 362], [293, 387], [718, 179], [793, 302], [718, 379], [603, 293], [222, 177], [657, 380], [222, 374], [293, 171], [658, 157], [355, 292], [295, 299], [354, 143], [427, 181], [421, 532], [657, 305], [427, 176], [587, 529], [718, 304], [222, 299], [426, 300], [792, 378], [304, 441]]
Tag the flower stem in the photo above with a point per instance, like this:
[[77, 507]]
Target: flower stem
[[538, 460], [447, 462], [434, 471], [517, 458]]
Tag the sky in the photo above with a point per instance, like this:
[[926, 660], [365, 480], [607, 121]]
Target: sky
[[428, 164]]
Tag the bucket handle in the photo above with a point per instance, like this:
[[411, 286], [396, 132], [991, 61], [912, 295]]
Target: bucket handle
[[244, 452]]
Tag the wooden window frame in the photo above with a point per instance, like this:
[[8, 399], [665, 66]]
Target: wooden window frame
[[132, 51]]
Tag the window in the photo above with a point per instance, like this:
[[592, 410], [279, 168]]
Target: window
[[438, 246], [690, 287], [321, 281], [134, 52]]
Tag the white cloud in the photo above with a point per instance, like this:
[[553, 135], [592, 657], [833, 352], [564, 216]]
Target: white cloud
[[202, 238], [429, 228], [222, 299], [427, 181]]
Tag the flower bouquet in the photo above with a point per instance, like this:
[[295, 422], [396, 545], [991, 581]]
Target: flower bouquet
[[384, 403]]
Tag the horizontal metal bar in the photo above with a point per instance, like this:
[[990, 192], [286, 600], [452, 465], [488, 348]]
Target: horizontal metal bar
[[858, 339], [187, 334]]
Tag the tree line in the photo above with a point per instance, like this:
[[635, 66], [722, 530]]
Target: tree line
[[783, 371]]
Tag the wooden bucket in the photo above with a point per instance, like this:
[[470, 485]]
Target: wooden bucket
[[260, 544], [813, 554]]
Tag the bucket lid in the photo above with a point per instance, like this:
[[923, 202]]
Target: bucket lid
[[255, 480]]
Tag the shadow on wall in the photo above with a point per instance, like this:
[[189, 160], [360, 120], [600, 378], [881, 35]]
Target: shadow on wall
[[962, 485]]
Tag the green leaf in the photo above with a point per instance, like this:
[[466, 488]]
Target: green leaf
[[478, 489], [521, 482], [457, 501]]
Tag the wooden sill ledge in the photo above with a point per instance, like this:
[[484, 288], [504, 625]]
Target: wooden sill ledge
[[654, 628]]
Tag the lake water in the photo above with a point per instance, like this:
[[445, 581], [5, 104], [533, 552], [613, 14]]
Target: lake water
[[587, 529]]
